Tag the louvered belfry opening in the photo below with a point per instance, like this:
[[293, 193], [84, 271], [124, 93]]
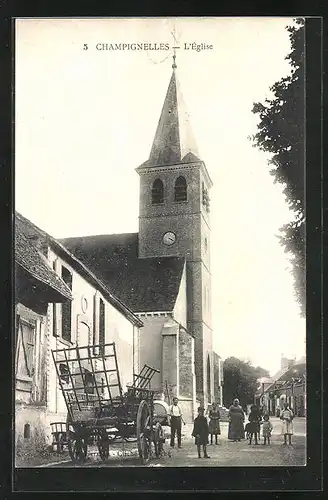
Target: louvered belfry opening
[[180, 189], [157, 192]]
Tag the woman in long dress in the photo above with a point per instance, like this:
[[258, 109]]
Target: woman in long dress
[[214, 425], [236, 415]]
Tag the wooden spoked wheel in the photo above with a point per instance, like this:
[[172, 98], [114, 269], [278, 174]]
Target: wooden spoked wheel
[[158, 440], [144, 432], [61, 443], [76, 442], [103, 444]]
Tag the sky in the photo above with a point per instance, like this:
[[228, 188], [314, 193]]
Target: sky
[[85, 119]]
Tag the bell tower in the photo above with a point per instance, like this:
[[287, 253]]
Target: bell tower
[[174, 220]]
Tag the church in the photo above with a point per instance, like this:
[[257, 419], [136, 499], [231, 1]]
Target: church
[[162, 273]]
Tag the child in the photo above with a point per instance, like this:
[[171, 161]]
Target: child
[[254, 420], [200, 432], [214, 425], [266, 429], [286, 415]]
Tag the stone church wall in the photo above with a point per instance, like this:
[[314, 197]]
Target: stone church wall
[[180, 308], [151, 345], [170, 368], [186, 370]]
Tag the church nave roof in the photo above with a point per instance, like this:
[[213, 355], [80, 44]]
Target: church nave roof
[[145, 285]]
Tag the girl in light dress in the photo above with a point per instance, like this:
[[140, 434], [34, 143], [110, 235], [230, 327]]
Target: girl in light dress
[[287, 415], [266, 429]]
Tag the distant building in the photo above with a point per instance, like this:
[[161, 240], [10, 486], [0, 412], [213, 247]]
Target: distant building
[[286, 363], [287, 385]]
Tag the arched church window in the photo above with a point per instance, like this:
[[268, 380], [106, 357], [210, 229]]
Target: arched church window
[[157, 192], [180, 189], [205, 198]]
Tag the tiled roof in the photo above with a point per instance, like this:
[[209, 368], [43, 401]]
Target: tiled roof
[[285, 373], [30, 259], [37, 233], [146, 285]]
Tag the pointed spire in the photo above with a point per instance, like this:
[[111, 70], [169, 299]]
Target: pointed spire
[[173, 139]]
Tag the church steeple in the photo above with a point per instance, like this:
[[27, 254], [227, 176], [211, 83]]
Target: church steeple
[[174, 141], [174, 221]]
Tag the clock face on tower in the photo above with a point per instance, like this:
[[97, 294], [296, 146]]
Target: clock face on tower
[[169, 238]]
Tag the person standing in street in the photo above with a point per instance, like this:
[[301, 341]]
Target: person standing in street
[[214, 425], [236, 416], [176, 420], [200, 432], [266, 429], [287, 415]]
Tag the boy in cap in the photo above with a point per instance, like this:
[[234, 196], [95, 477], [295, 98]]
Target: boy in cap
[[200, 432]]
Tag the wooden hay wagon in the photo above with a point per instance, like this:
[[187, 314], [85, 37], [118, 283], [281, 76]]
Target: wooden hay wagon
[[98, 411]]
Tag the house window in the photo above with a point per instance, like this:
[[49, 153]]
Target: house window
[[64, 375], [27, 431], [101, 325], [89, 382], [67, 307], [157, 192], [180, 189]]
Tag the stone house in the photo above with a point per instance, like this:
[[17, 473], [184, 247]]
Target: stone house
[[72, 308], [37, 285]]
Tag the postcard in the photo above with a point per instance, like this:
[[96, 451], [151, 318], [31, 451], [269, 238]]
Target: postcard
[[160, 243]]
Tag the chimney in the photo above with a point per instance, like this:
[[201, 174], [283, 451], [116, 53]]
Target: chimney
[[286, 363]]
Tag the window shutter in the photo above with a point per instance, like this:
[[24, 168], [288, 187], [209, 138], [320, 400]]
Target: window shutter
[[29, 342], [66, 307], [101, 325], [18, 345], [25, 349], [55, 315], [59, 319]]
